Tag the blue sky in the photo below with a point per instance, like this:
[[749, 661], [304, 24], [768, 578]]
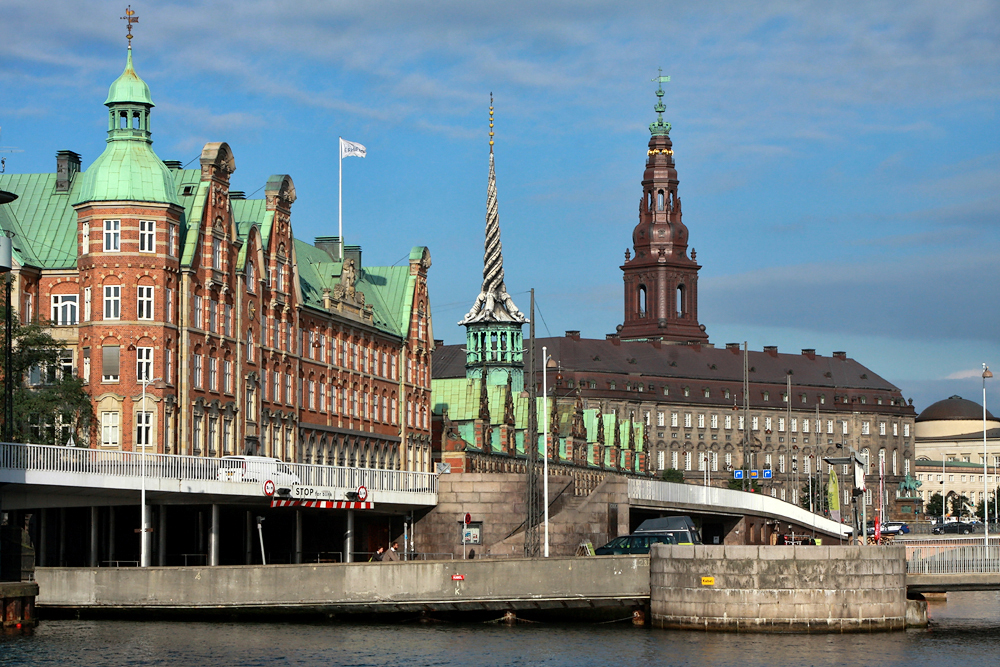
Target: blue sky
[[839, 163]]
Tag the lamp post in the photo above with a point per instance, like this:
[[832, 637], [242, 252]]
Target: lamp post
[[986, 504], [143, 534], [545, 443], [6, 266]]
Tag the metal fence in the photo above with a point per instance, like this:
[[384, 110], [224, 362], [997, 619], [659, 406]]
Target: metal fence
[[953, 557], [196, 468]]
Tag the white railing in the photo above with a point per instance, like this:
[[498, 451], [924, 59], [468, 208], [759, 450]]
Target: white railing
[[196, 468], [951, 559], [742, 502]]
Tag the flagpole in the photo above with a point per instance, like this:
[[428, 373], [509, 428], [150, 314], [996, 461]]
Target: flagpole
[[340, 194]]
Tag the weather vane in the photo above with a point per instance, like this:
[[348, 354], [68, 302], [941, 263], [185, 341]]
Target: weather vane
[[491, 121], [130, 18]]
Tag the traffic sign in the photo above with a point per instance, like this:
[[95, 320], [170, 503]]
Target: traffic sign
[[767, 474], [468, 518], [737, 474], [268, 488], [754, 474], [362, 493]]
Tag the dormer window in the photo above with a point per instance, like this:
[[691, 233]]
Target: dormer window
[[112, 235]]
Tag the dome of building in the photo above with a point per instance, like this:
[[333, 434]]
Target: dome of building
[[128, 169], [953, 417], [954, 407]]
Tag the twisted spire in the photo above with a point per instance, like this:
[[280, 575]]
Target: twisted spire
[[493, 304]]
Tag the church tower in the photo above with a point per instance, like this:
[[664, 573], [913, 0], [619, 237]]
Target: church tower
[[494, 342], [661, 281]]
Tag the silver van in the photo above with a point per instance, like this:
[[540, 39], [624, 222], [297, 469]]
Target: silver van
[[255, 469]]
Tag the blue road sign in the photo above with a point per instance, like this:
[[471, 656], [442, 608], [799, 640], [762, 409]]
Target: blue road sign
[[767, 474], [737, 474], [754, 474]]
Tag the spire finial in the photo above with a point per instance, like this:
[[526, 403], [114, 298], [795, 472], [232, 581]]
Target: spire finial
[[660, 127], [130, 18], [491, 121]]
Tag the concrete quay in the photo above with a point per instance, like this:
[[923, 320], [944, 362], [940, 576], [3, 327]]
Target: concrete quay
[[17, 605], [618, 585], [826, 589]]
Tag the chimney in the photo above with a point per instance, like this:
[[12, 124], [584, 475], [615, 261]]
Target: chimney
[[657, 343], [173, 164], [330, 245], [67, 167], [733, 347], [615, 340], [809, 352], [771, 350], [353, 252], [840, 355], [237, 194], [575, 335], [695, 345], [438, 342]]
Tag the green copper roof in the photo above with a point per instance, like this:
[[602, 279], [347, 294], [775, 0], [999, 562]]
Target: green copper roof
[[127, 170], [129, 88], [43, 222]]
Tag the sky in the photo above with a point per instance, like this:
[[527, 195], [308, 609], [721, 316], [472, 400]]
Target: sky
[[839, 163]]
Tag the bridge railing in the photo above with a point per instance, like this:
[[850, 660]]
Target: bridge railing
[[196, 468], [965, 557], [713, 496]]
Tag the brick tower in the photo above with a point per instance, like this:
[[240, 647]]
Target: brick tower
[[661, 281]]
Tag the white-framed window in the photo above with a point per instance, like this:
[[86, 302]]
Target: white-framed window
[[110, 422], [170, 241], [715, 421], [217, 253], [275, 389], [250, 348], [794, 425], [767, 460], [110, 363], [112, 302], [143, 363], [660, 419], [906, 466], [213, 374], [312, 394], [673, 460], [805, 425], [687, 460], [213, 314], [196, 371], [288, 388], [741, 423], [881, 428], [865, 428], [754, 424], [661, 459], [701, 420], [251, 278], [906, 430], [279, 276], [198, 313], [227, 376], [702, 461], [168, 362], [86, 304], [227, 320], [64, 309], [169, 315], [781, 424], [86, 238], [715, 461], [687, 420], [767, 424], [781, 463], [895, 429], [144, 302], [673, 419], [147, 236], [112, 235], [143, 424], [728, 425]]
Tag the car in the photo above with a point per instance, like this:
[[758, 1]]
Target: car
[[633, 544], [894, 528], [954, 527], [681, 528], [255, 469]]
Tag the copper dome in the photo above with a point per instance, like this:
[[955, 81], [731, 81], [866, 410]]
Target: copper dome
[[953, 407]]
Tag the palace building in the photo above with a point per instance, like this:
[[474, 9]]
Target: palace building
[[200, 325], [674, 399]]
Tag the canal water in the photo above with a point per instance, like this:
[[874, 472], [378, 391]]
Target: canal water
[[965, 631]]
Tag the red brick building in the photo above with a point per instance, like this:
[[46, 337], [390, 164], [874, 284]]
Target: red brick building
[[245, 339]]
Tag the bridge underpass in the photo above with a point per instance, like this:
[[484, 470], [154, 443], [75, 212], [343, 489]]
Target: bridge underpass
[[82, 507]]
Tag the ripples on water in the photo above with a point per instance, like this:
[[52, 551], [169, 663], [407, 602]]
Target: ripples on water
[[966, 631]]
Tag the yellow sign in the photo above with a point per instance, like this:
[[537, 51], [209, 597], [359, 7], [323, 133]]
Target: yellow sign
[[708, 581]]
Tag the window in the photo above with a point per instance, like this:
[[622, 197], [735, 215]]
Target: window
[[906, 430], [250, 349], [702, 459], [673, 419], [169, 314], [213, 314], [742, 423], [275, 389], [143, 363], [227, 376], [170, 240], [781, 463], [715, 421], [147, 236], [227, 436], [767, 460], [767, 424], [109, 429], [288, 388], [86, 304], [168, 357], [144, 303], [312, 395], [279, 276], [196, 433], [767, 396], [708, 393], [865, 428], [754, 425], [112, 235], [729, 422], [110, 363], [227, 320], [213, 374], [687, 460], [895, 429], [143, 422], [687, 420], [251, 278], [86, 238], [794, 427], [781, 424], [805, 425], [64, 309], [673, 460], [660, 459], [213, 428], [701, 421], [217, 253], [660, 419], [198, 313], [729, 460], [196, 371], [112, 302]]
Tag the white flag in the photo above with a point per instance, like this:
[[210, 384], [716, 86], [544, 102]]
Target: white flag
[[351, 149]]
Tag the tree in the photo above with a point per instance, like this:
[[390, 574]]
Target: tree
[[933, 507], [673, 475], [958, 505], [992, 506], [737, 485], [819, 493], [50, 403]]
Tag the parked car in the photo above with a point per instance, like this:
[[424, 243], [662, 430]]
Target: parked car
[[681, 528], [894, 528], [633, 544], [959, 527], [256, 469]]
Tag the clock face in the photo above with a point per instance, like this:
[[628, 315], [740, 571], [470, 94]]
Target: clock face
[[251, 309]]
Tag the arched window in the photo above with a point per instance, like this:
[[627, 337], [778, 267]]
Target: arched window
[[681, 306], [642, 300], [659, 201]]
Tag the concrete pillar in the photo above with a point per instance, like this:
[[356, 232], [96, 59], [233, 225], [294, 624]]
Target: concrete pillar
[[213, 537], [349, 537], [62, 537], [94, 546], [161, 538], [111, 533], [298, 536], [42, 539]]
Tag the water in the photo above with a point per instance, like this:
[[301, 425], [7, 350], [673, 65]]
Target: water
[[965, 631]]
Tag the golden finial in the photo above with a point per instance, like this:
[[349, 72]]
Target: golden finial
[[491, 121], [130, 18]]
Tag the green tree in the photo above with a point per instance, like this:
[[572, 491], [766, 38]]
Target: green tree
[[957, 503], [992, 506], [818, 495], [737, 485], [50, 403], [673, 475], [933, 507]]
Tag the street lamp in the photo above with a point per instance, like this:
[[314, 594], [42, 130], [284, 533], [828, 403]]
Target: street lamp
[[6, 266], [144, 541], [986, 505], [545, 441]]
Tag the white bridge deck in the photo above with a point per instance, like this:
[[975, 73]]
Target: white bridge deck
[[35, 476]]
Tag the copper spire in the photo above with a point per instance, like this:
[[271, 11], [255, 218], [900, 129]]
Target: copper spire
[[130, 18]]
